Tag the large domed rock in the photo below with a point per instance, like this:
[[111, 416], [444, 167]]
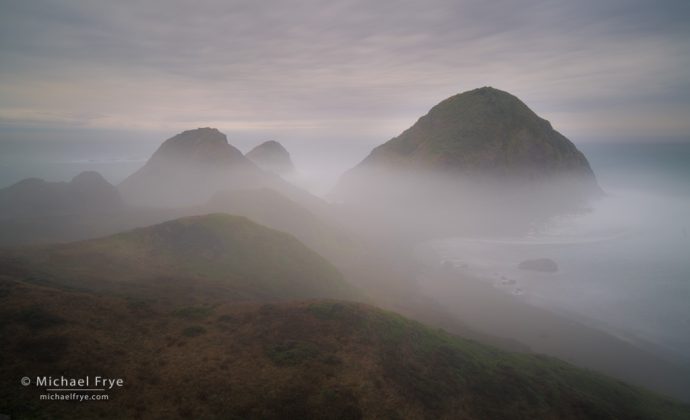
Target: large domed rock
[[483, 131], [480, 158]]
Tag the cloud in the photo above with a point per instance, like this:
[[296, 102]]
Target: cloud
[[315, 67]]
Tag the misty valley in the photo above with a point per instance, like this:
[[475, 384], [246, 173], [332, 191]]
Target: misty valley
[[475, 266]]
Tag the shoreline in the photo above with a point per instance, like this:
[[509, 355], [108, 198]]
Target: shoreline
[[470, 299]]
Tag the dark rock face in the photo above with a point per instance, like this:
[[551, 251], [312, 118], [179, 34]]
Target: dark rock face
[[544, 265], [86, 194], [273, 157], [189, 168]]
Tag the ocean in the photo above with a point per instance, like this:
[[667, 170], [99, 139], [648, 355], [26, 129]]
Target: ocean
[[624, 266], [61, 160]]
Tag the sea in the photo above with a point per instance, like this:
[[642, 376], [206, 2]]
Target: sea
[[59, 160], [624, 265]]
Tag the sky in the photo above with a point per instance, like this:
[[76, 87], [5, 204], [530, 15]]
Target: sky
[[347, 73]]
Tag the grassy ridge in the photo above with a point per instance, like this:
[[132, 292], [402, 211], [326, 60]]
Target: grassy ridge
[[204, 317], [214, 257], [312, 359]]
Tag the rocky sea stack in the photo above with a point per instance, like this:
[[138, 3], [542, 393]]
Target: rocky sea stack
[[481, 158], [189, 168], [206, 146], [484, 131], [86, 194], [272, 156]]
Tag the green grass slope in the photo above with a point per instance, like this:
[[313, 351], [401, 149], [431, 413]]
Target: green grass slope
[[313, 359], [271, 208], [211, 257]]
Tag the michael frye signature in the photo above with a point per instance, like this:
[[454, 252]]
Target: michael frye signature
[[86, 388]]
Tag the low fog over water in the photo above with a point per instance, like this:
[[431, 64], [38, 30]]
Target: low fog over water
[[623, 261], [624, 265], [56, 156]]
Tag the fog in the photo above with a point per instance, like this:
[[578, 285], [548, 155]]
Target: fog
[[151, 228], [441, 246], [622, 268]]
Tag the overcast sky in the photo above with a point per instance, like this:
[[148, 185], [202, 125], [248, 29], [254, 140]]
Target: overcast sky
[[348, 70]]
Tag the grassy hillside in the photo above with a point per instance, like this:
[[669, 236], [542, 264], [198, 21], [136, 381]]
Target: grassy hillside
[[313, 359], [206, 317], [204, 258], [273, 209]]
